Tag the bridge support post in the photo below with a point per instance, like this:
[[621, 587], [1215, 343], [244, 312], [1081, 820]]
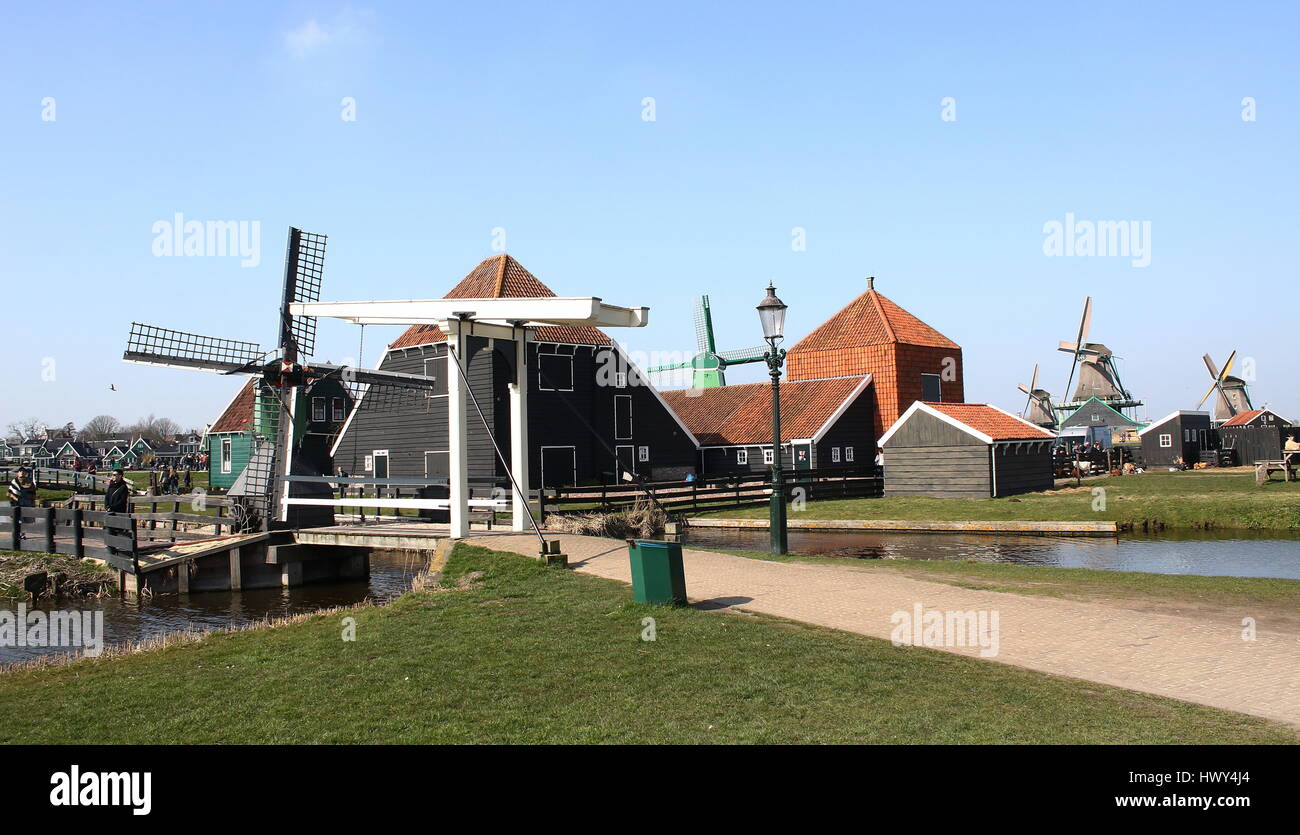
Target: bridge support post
[[519, 435], [457, 437]]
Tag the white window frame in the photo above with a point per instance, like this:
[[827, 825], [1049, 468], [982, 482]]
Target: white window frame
[[620, 379], [835, 455], [572, 373], [318, 407], [742, 456], [768, 457], [338, 412], [225, 456], [642, 454], [1166, 440], [374, 463], [630, 429], [848, 453]]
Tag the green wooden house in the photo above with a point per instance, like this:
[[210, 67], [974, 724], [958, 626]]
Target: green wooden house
[[230, 441]]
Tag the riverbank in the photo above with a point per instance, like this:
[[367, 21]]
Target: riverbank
[[1194, 499], [509, 651], [25, 574], [1270, 601]]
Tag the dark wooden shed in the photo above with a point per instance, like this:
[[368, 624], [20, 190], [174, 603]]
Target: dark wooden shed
[[1178, 439], [1257, 435], [965, 450]]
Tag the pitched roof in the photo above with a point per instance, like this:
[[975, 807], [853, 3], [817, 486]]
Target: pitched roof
[[502, 277], [989, 423], [1171, 416], [238, 416], [871, 319], [1246, 417], [742, 414]]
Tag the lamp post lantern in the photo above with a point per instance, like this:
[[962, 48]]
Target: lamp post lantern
[[771, 312]]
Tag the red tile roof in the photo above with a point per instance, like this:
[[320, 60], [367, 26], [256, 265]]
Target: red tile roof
[[992, 421], [871, 319], [1243, 418], [502, 277], [742, 414], [238, 416]]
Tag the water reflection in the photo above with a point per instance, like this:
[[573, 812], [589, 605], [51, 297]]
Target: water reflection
[[127, 620], [1239, 554]]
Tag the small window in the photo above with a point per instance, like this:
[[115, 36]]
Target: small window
[[848, 453], [835, 455], [318, 409], [1166, 440], [337, 412], [555, 372], [768, 457], [225, 455], [1096, 418], [620, 379], [643, 454], [931, 388], [742, 456]]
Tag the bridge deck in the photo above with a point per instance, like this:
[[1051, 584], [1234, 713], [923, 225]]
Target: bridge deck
[[398, 535]]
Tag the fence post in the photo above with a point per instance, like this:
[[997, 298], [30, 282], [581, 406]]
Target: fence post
[[49, 531], [16, 516], [78, 543]]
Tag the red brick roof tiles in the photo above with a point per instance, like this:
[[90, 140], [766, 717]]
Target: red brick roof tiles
[[502, 277], [238, 416], [742, 414], [992, 421]]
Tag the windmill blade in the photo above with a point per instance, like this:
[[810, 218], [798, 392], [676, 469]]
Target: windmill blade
[[703, 326], [1227, 366], [1025, 389], [152, 345], [304, 268], [1209, 364], [1033, 381], [1068, 347], [372, 377], [1086, 322], [1213, 388], [742, 355], [658, 368]]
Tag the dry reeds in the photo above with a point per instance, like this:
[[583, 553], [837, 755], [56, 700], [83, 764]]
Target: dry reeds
[[642, 520]]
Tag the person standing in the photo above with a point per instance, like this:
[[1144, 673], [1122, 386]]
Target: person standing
[[118, 494], [22, 489]]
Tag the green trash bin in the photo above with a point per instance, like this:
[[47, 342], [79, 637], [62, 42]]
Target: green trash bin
[[657, 572]]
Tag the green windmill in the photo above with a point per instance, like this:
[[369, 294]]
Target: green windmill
[[709, 365]]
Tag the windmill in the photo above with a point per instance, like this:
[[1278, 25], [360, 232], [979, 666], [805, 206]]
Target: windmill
[[281, 447], [1038, 408], [1098, 374], [1233, 397], [709, 364]]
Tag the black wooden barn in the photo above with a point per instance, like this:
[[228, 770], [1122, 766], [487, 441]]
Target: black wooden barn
[[1178, 440], [825, 424], [591, 414], [965, 450], [1257, 435]]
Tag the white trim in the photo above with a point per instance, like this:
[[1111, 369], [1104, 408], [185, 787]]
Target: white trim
[[434, 504], [541, 462], [226, 449], [843, 407], [1257, 417], [630, 423], [538, 311], [643, 380], [1170, 417], [618, 475], [916, 406]]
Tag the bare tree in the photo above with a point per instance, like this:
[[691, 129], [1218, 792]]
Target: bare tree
[[25, 429], [154, 428], [101, 428]]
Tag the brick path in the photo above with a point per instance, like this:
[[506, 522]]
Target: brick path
[[1196, 660]]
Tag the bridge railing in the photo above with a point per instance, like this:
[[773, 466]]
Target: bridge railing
[[402, 498], [51, 478]]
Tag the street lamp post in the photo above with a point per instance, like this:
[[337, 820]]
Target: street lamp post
[[771, 312]]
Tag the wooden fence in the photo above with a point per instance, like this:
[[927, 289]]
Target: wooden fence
[[49, 478], [719, 492]]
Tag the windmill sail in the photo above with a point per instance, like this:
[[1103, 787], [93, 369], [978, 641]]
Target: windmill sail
[[1233, 399]]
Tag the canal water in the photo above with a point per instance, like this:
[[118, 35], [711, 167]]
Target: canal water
[[127, 620], [1236, 554]]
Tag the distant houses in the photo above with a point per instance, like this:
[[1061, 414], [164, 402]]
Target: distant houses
[[63, 452], [1257, 435], [1179, 439]]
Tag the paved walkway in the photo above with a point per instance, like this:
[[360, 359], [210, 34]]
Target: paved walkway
[[1195, 660]]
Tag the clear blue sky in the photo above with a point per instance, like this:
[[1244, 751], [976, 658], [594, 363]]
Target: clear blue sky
[[768, 117]]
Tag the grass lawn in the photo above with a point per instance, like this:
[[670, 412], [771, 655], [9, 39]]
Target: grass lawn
[[1269, 600], [1190, 499], [512, 651]]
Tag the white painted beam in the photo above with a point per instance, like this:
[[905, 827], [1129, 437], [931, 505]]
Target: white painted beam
[[457, 436], [519, 438], [534, 312]]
